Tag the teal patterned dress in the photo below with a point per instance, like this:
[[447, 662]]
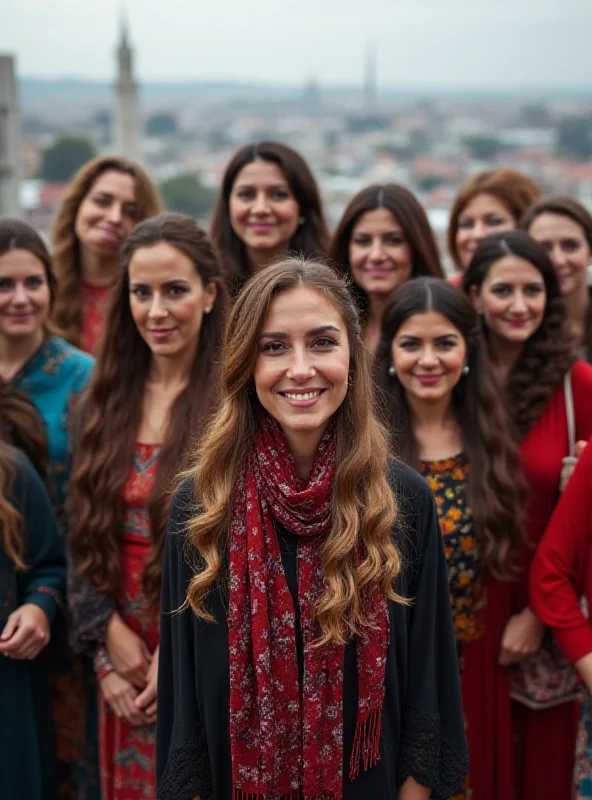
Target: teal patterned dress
[[54, 378]]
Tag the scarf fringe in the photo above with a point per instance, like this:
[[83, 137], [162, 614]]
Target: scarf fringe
[[366, 746], [238, 794]]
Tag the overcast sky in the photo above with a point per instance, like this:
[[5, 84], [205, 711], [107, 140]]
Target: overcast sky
[[542, 43]]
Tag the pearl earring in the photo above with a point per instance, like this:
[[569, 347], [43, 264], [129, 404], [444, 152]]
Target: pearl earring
[[301, 220], [466, 369], [392, 372], [207, 310]]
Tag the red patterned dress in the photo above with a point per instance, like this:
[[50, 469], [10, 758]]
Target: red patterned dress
[[95, 305], [127, 752]]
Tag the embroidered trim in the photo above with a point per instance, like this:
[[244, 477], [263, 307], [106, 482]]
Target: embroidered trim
[[187, 772]]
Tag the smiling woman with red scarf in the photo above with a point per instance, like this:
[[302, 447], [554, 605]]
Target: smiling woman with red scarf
[[307, 649]]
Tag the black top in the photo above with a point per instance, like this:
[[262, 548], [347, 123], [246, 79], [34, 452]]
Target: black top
[[423, 731]]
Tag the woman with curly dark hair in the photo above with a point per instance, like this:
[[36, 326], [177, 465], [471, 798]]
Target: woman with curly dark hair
[[383, 239], [148, 402], [514, 286], [269, 204], [446, 419]]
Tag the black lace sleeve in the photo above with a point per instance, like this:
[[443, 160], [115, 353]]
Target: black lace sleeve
[[182, 763], [90, 611], [433, 743]]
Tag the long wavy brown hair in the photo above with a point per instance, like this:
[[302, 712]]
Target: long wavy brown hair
[[565, 206], [413, 220], [67, 311], [20, 427], [362, 502], [496, 486], [311, 238], [514, 189], [549, 353], [112, 416]]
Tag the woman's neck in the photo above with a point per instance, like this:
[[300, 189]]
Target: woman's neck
[[171, 373], [435, 428], [576, 308], [98, 270], [260, 258], [303, 447], [14, 353], [504, 355], [372, 327]]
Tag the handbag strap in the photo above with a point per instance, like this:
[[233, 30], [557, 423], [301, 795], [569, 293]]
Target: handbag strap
[[569, 410]]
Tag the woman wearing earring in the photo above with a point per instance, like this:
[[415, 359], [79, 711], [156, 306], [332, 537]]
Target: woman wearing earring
[[564, 228], [384, 239], [488, 202], [152, 392], [107, 197], [52, 374], [269, 204], [313, 653], [446, 419], [514, 286]]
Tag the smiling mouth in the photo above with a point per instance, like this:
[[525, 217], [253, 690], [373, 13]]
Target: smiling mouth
[[310, 395]]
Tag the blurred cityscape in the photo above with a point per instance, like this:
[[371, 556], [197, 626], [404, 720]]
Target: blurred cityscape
[[185, 134]]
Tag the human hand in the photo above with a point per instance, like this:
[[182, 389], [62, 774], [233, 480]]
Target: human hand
[[146, 700], [522, 637], [127, 652], [121, 696], [26, 632]]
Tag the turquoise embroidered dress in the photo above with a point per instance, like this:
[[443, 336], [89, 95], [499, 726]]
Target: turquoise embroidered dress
[[54, 378]]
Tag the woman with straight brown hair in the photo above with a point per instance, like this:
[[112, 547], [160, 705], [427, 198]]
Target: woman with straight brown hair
[[106, 198], [269, 204], [384, 239], [488, 202], [564, 228], [307, 643], [152, 392]]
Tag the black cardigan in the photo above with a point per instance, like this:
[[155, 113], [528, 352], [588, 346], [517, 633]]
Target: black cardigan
[[423, 733]]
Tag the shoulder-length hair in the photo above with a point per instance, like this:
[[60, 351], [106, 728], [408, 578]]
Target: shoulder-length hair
[[565, 206], [112, 414], [549, 353], [311, 237], [515, 190], [20, 427], [412, 218], [496, 485], [67, 313], [362, 500], [18, 235]]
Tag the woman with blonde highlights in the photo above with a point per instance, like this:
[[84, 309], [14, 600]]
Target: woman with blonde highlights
[[107, 197], [307, 643], [153, 389]]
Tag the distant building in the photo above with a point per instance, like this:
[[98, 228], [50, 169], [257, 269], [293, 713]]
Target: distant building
[[126, 119], [10, 144], [370, 80]]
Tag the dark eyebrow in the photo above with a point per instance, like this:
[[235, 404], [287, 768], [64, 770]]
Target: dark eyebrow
[[313, 332], [173, 282], [285, 185]]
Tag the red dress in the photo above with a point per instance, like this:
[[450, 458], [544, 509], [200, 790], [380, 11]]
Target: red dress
[[95, 305], [127, 753], [545, 740]]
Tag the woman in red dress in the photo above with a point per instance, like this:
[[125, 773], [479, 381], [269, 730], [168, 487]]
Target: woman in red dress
[[153, 387], [514, 286], [448, 421], [106, 198]]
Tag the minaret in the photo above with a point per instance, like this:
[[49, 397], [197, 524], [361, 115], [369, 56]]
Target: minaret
[[370, 80], [10, 140], [126, 121]]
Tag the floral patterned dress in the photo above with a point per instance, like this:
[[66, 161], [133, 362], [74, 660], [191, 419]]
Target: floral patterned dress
[[448, 481], [126, 753]]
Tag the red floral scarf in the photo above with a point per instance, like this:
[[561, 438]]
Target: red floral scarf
[[287, 740]]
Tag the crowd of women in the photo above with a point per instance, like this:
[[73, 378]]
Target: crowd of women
[[221, 574]]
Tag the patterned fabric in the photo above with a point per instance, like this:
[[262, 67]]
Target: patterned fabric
[[583, 768], [54, 378], [282, 744], [95, 306], [127, 752], [448, 481]]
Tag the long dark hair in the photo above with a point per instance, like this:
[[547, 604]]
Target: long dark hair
[[112, 414], [565, 206], [496, 486], [412, 218], [18, 235], [549, 353], [312, 236]]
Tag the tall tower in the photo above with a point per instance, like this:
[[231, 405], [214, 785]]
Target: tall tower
[[370, 81], [126, 120], [10, 140]]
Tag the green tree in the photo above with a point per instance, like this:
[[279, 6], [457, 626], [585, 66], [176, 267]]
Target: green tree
[[162, 124], [187, 194], [574, 138], [64, 157], [483, 147]]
